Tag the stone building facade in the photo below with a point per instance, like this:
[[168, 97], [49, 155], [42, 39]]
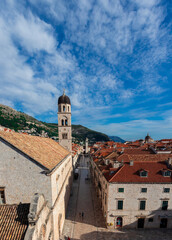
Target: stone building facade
[[134, 194], [30, 165], [39, 167], [39, 219]]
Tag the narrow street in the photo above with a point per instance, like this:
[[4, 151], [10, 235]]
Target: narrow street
[[83, 200], [92, 227]]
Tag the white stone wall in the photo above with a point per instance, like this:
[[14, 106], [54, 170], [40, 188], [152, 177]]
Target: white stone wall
[[131, 202], [75, 159], [59, 176], [21, 177], [40, 220], [61, 181]]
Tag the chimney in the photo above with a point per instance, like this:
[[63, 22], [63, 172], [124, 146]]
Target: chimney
[[169, 161], [106, 161], [131, 162], [122, 150], [116, 164]]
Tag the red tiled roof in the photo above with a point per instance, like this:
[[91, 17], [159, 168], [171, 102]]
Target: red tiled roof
[[137, 151], [45, 151], [144, 157], [130, 174], [13, 221]]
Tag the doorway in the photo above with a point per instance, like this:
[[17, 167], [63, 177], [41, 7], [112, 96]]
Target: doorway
[[119, 222], [141, 222], [163, 223]]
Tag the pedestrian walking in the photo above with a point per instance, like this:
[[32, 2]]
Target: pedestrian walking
[[68, 238], [79, 214], [82, 215]]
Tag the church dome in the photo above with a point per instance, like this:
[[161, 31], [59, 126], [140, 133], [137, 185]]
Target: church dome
[[64, 99], [147, 138]]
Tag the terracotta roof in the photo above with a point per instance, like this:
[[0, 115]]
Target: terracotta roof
[[13, 221], [45, 151], [143, 157], [130, 174], [137, 151], [112, 155]]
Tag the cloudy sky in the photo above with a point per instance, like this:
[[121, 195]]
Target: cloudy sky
[[113, 57]]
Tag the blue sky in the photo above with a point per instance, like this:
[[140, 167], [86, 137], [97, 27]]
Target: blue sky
[[113, 57]]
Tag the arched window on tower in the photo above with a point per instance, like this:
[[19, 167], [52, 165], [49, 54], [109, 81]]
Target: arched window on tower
[[68, 108], [64, 135], [63, 108], [62, 122], [66, 123]]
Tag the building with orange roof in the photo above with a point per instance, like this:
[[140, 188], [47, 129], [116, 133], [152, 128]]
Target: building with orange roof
[[134, 186], [36, 171], [31, 164]]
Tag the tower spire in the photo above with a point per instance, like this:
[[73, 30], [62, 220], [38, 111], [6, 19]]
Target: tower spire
[[64, 122]]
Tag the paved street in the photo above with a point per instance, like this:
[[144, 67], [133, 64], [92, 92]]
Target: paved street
[[92, 226]]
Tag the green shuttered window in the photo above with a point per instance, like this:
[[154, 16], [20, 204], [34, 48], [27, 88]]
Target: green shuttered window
[[120, 204]]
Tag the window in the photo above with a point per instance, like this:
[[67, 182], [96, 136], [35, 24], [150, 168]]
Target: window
[[68, 109], [120, 189], [166, 190], [63, 108], [2, 196], [142, 205], [150, 220], [111, 172], [144, 190], [143, 173], [164, 205], [62, 122], [166, 173], [64, 135], [66, 122], [120, 204]]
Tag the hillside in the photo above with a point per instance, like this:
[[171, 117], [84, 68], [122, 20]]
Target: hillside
[[22, 122], [117, 139]]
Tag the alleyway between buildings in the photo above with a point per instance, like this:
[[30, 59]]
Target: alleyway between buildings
[[83, 200], [91, 226]]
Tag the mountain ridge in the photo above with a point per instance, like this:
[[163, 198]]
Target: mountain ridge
[[22, 122]]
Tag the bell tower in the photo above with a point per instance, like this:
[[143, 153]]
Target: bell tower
[[64, 122]]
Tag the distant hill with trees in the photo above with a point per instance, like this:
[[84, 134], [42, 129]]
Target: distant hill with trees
[[117, 139], [21, 122]]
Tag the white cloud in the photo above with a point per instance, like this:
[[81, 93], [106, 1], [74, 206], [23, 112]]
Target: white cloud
[[18, 83], [105, 53], [33, 34], [136, 129], [146, 3]]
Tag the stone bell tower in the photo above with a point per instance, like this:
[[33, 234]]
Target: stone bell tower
[[64, 122]]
